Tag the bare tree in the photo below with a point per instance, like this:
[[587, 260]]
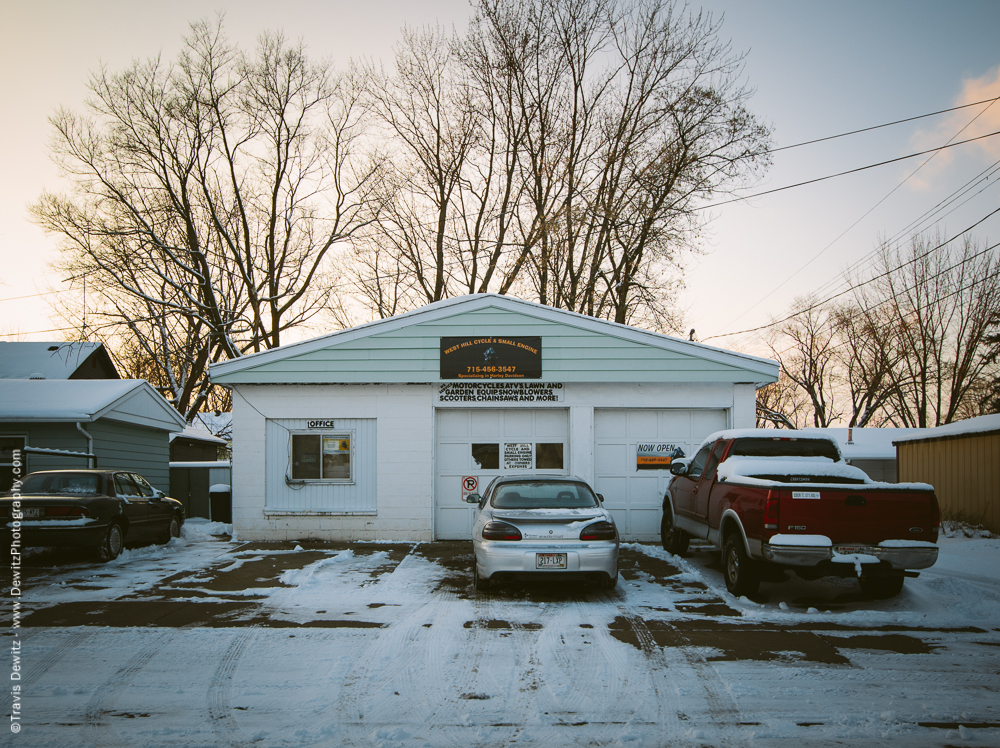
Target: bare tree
[[557, 150], [208, 195], [941, 298], [806, 349], [781, 404]]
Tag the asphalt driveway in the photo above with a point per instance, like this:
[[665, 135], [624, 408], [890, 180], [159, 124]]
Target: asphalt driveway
[[389, 645]]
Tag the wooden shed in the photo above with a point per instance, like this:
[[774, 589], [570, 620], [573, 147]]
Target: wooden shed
[[962, 461]]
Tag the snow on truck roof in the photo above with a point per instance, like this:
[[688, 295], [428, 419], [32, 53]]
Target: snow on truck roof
[[768, 434]]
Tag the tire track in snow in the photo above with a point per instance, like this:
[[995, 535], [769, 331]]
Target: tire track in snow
[[219, 696], [100, 708], [35, 668]]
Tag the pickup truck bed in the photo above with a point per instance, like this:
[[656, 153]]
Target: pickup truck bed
[[775, 501]]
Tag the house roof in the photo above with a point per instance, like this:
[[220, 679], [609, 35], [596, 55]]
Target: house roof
[[970, 427], [76, 360], [576, 348], [869, 443], [197, 434], [87, 400]]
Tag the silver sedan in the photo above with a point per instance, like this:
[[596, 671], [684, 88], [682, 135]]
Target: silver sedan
[[543, 526]]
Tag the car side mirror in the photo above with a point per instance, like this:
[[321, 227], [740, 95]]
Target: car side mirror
[[473, 498], [677, 467], [600, 498], [158, 494]]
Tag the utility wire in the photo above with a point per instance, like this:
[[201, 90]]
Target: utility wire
[[863, 283], [845, 173], [887, 124], [867, 258]]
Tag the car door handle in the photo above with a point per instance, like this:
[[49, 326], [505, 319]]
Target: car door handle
[[856, 501]]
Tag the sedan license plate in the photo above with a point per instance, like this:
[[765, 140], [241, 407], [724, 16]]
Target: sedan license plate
[[33, 511], [550, 560]]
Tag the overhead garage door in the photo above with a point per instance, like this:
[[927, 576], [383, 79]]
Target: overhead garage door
[[482, 443], [633, 492]]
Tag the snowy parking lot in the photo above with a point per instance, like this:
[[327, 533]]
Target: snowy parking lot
[[208, 642]]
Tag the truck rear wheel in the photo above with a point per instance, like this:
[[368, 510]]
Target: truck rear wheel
[[674, 541], [741, 572], [881, 585]]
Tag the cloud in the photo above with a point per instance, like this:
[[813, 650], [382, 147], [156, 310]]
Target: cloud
[[963, 125]]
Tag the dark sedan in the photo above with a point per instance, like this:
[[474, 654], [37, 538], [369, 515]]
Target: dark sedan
[[99, 509]]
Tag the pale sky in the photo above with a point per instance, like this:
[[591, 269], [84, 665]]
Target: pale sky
[[819, 69]]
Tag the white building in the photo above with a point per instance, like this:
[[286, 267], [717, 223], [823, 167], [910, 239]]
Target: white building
[[378, 432]]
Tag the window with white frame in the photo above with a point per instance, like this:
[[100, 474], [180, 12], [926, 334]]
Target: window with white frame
[[324, 457]]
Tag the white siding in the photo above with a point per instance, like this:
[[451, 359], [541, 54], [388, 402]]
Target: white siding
[[634, 496], [458, 429], [358, 497]]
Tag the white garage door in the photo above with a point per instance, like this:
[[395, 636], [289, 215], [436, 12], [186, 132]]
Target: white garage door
[[634, 495], [483, 443]]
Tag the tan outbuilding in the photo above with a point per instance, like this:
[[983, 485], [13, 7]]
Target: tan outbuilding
[[962, 461]]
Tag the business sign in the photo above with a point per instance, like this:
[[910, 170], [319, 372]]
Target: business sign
[[517, 456], [491, 357], [652, 456], [500, 392]]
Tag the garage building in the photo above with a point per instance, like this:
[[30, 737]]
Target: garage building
[[379, 431]]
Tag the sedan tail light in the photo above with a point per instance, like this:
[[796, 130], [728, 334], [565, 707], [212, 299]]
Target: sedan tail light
[[599, 531], [771, 511], [501, 531]]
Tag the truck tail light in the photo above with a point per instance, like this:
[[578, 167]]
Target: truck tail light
[[771, 511], [936, 518], [501, 531], [599, 531]]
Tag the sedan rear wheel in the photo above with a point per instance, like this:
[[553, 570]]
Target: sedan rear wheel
[[477, 581], [112, 544]]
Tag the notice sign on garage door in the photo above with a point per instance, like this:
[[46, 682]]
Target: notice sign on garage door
[[491, 357], [656, 456], [517, 456]]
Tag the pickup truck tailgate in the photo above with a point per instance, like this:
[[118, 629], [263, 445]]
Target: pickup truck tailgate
[[858, 515]]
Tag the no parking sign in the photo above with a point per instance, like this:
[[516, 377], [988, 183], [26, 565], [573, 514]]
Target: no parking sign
[[470, 484]]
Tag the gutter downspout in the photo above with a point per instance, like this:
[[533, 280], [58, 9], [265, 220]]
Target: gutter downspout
[[91, 457]]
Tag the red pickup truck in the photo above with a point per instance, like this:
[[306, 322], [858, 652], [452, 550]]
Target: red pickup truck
[[775, 501]]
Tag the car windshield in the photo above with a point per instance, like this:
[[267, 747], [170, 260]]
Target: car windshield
[[785, 447], [62, 484], [544, 495]]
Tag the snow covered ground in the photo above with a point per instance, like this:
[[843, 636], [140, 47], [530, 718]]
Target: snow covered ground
[[207, 642]]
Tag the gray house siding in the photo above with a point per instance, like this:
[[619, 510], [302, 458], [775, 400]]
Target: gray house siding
[[122, 445], [116, 445]]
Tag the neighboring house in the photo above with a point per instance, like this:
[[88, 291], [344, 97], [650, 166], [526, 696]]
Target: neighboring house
[[872, 449], [111, 423], [380, 431], [80, 360], [197, 466], [962, 461]]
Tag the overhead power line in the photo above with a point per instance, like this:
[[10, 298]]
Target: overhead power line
[[887, 124], [863, 283], [849, 171]]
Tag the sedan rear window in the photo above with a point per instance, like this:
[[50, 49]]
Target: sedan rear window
[[62, 484], [544, 495]]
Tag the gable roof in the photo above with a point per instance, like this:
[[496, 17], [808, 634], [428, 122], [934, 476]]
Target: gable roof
[[76, 360], [575, 348], [978, 426], [87, 400]]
